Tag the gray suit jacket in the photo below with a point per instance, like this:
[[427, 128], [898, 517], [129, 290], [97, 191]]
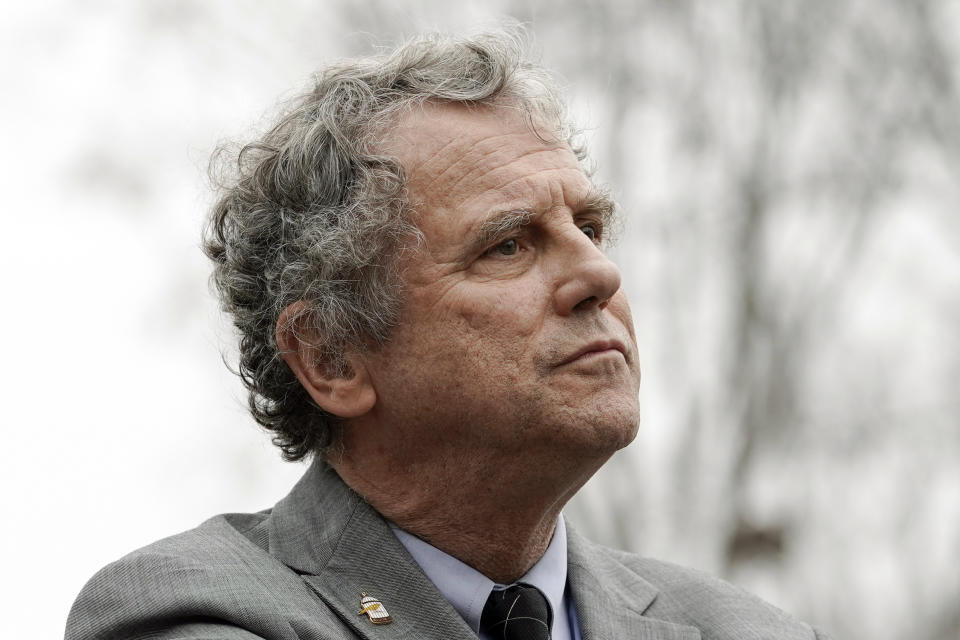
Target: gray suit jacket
[[297, 572]]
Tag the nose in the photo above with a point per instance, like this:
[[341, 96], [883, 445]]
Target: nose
[[588, 279]]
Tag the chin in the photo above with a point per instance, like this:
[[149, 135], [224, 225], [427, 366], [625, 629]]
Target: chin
[[602, 431], [623, 433]]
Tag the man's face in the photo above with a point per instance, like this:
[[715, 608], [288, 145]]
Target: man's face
[[515, 338]]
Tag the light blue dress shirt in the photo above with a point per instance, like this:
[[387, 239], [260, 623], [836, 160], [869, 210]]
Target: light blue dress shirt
[[467, 589]]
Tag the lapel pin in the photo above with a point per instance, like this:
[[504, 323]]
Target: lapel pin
[[374, 609]]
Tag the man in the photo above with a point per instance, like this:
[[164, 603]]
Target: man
[[413, 257]]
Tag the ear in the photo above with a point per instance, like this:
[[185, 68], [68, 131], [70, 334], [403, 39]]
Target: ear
[[348, 394]]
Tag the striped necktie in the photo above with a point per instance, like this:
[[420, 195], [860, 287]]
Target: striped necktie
[[518, 613]]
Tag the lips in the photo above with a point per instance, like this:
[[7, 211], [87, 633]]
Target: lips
[[596, 348]]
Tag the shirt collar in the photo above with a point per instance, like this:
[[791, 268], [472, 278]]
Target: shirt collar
[[467, 589]]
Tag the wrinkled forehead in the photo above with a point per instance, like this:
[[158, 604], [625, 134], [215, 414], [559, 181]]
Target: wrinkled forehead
[[451, 153], [422, 125]]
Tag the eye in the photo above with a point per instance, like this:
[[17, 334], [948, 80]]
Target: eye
[[592, 231], [506, 248]]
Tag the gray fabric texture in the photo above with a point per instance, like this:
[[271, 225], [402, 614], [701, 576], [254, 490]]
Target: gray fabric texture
[[297, 571]]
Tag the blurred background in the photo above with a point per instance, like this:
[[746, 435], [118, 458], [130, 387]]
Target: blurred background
[[789, 171]]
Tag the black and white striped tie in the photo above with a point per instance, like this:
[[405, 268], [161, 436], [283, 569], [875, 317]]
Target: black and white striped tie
[[518, 613]]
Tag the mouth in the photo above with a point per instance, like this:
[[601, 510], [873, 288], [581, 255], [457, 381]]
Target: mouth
[[596, 349]]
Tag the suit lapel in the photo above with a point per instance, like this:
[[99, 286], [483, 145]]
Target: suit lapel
[[610, 599], [343, 548]]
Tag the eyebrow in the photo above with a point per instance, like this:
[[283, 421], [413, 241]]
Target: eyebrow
[[503, 223], [599, 200], [499, 225]]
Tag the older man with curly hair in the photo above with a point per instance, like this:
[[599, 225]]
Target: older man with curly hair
[[414, 260]]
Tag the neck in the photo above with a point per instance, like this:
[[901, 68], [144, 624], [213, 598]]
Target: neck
[[498, 520]]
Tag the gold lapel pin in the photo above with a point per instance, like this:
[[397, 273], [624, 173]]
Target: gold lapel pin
[[374, 609]]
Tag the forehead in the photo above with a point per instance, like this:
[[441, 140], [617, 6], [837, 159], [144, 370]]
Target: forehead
[[463, 163]]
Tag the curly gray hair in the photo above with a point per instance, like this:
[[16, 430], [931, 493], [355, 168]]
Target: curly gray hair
[[311, 212]]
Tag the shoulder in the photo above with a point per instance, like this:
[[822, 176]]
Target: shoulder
[[719, 609], [219, 575]]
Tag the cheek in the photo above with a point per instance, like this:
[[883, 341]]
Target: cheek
[[513, 309], [478, 326], [620, 307], [505, 323]]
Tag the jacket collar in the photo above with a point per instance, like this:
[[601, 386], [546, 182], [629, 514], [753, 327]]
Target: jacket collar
[[342, 547], [611, 598]]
